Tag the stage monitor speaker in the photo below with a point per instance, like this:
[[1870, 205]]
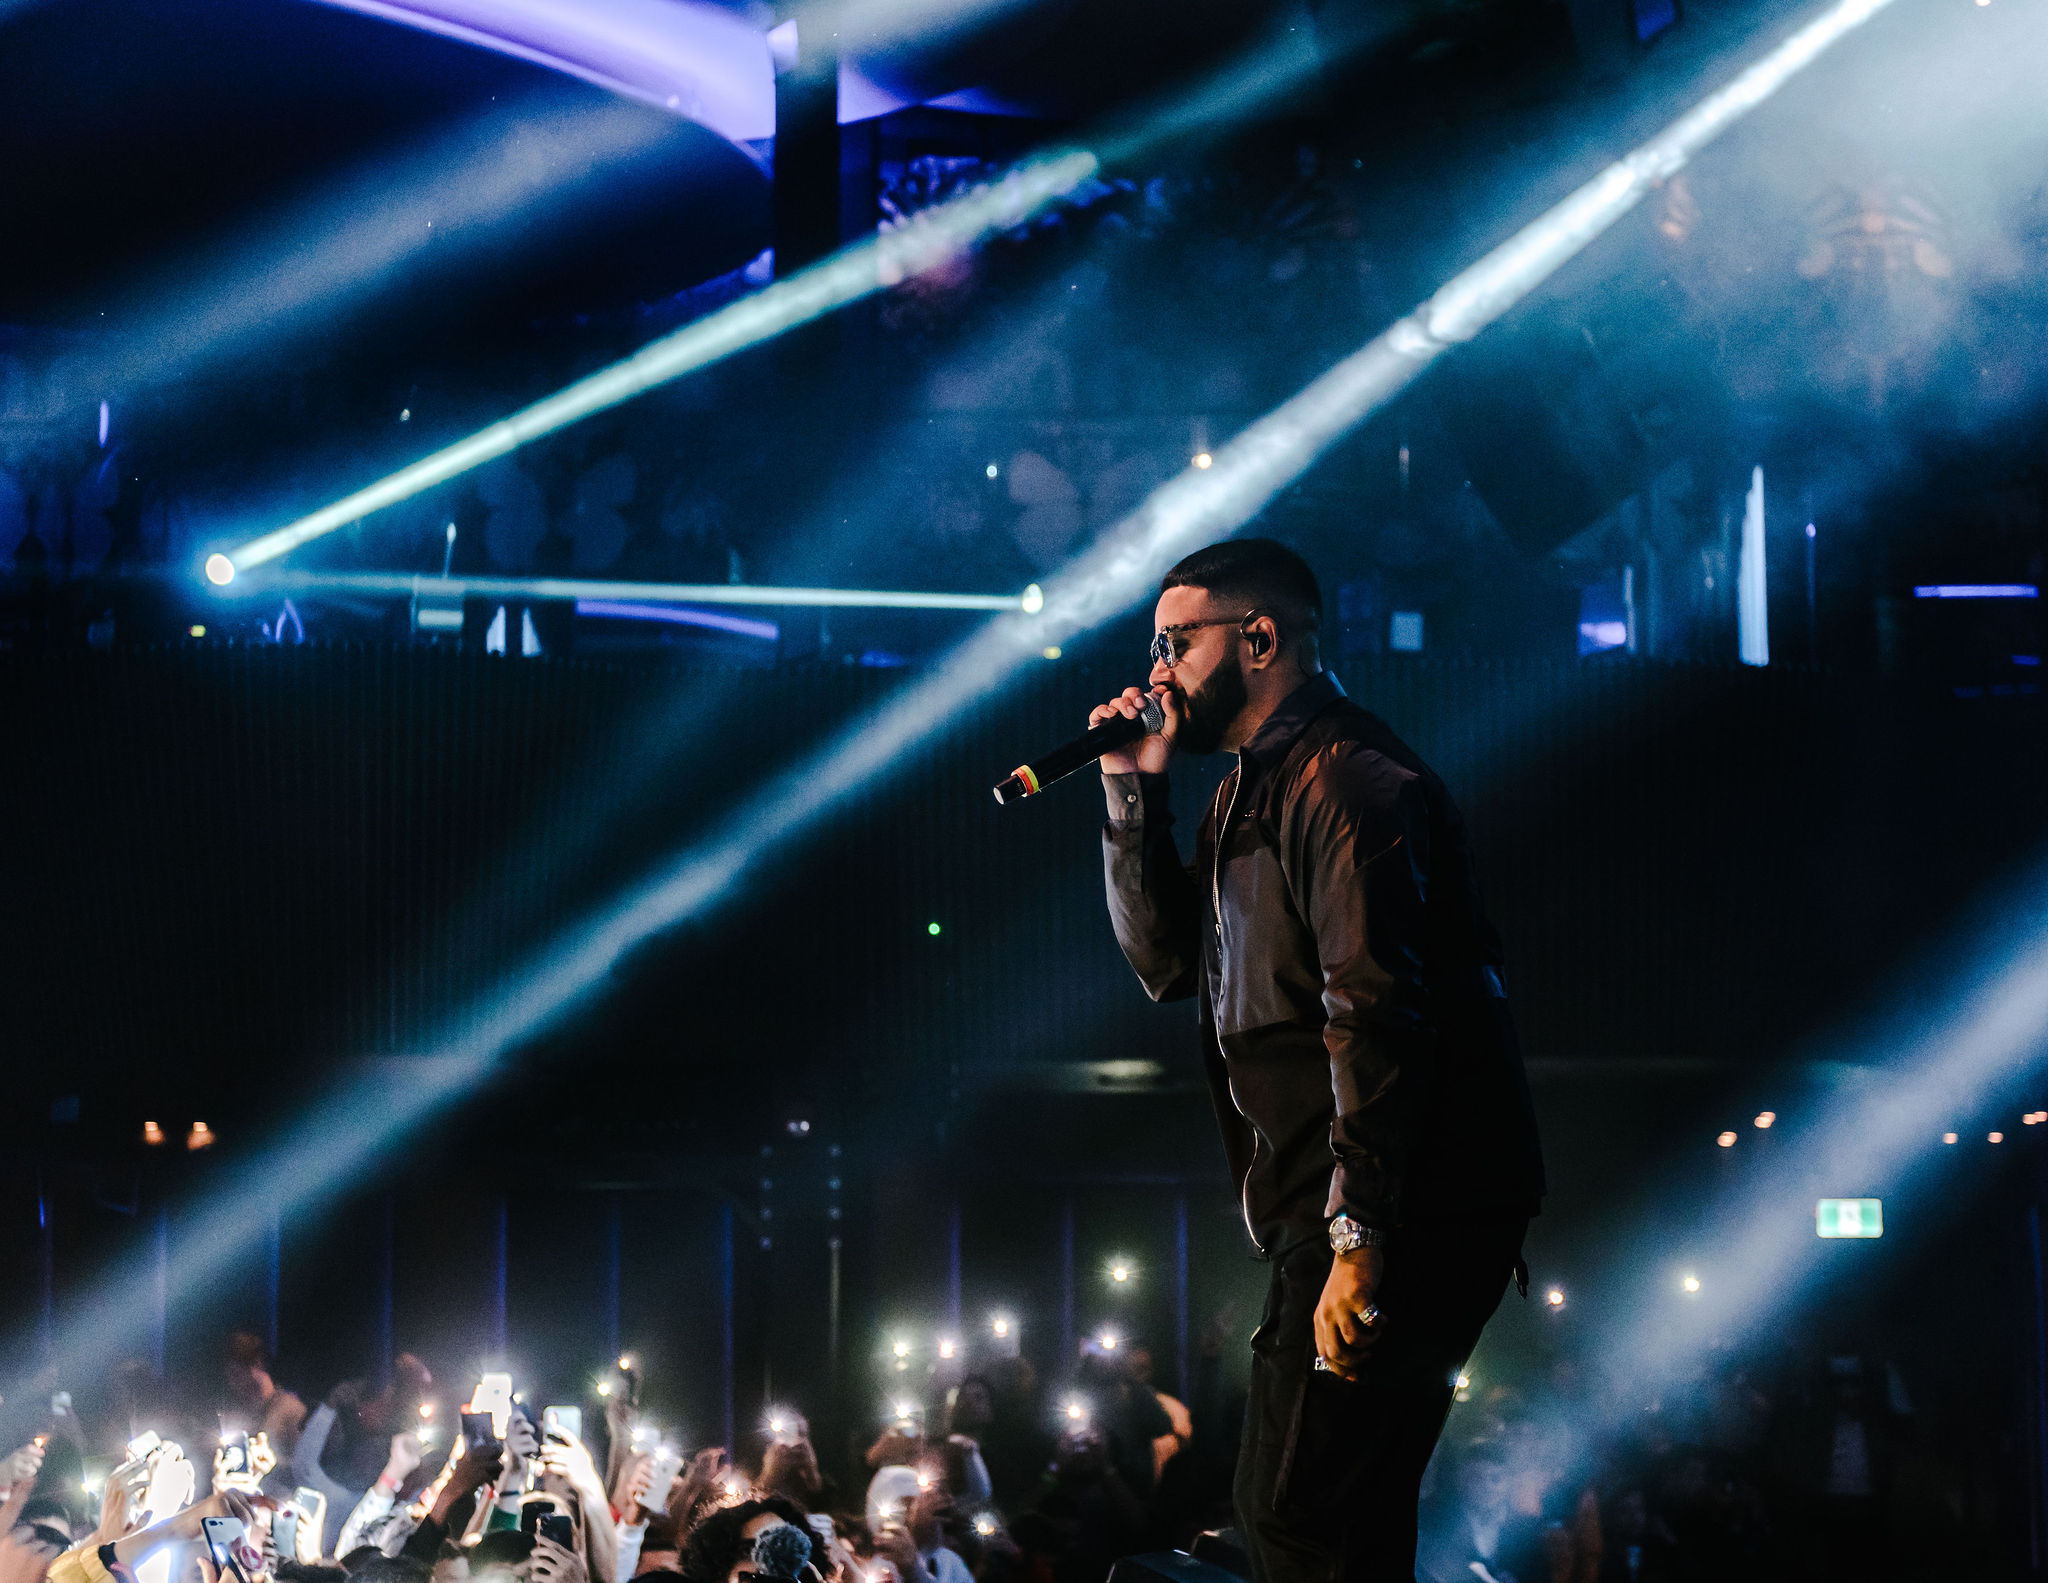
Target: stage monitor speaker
[[1169, 1566]]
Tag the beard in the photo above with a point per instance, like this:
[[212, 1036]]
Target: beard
[[1209, 709]]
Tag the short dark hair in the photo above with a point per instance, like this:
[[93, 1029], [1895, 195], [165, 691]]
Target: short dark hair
[[715, 1545], [1264, 573]]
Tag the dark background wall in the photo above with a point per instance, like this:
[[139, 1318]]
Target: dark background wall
[[229, 872]]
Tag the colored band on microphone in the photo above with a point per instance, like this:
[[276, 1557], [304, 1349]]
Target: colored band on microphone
[[1031, 786]]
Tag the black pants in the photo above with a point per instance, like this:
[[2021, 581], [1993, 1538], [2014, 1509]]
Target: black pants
[[1330, 1472]]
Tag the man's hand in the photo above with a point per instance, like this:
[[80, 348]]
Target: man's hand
[[1149, 755], [478, 1466], [1343, 1339], [22, 1466], [522, 1442], [636, 1478], [550, 1563], [700, 1482], [895, 1546], [571, 1462], [406, 1454]]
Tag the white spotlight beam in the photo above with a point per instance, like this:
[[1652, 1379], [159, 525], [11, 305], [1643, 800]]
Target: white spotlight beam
[[1198, 505], [336, 1146], [934, 236], [334, 249], [410, 585], [855, 272], [1874, 1140]]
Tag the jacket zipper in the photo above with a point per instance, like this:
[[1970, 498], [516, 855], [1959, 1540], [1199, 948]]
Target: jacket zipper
[[1244, 1188]]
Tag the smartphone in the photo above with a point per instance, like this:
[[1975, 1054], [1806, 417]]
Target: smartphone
[[312, 1505], [284, 1531], [629, 1379], [60, 1404], [557, 1528], [143, 1444], [223, 1535], [479, 1430], [661, 1473], [234, 1451], [493, 1396], [532, 1512], [564, 1421]]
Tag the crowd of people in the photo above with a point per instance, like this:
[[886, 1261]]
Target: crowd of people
[[400, 1481], [986, 1476]]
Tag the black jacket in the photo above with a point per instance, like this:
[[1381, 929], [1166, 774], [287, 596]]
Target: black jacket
[[1355, 1019]]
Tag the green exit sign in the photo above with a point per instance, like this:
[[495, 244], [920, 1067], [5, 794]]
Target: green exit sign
[[1849, 1217]]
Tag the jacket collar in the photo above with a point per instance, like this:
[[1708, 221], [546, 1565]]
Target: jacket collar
[[1269, 744]]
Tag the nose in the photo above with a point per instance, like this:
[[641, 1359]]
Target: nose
[[1162, 674]]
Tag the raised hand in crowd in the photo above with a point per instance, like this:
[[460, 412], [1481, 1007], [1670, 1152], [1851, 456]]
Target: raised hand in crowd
[[566, 1458], [704, 1483], [22, 1466], [120, 1501], [478, 1468], [633, 1495], [551, 1563], [406, 1455], [522, 1445]]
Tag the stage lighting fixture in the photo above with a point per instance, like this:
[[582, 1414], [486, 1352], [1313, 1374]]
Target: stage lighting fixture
[[985, 1525], [932, 237], [1994, 1137], [900, 1348], [1121, 1272], [1726, 1140], [999, 1327], [195, 631], [948, 1348], [1690, 1285], [1765, 1118], [992, 470], [1554, 1297], [1948, 1137], [1204, 461], [933, 930], [152, 1134], [1076, 1411], [1197, 506], [200, 1137]]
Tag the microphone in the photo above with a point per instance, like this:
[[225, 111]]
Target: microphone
[[1033, 778]]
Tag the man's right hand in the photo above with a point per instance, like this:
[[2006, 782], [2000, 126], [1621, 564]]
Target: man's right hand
[[1149, 755]]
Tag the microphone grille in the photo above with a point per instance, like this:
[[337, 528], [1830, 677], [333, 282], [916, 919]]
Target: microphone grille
[[1152, 715]]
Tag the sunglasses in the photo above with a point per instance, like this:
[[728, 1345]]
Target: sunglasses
[[1170, 644]]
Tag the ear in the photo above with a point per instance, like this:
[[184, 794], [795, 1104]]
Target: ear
[[1264, 638]]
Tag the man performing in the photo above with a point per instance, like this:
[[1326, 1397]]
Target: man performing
[[1358, 1046]]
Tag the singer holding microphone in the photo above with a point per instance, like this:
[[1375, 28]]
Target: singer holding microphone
[[1356, 1033]]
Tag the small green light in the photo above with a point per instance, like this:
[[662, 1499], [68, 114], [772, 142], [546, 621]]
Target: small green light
[[931, 928]]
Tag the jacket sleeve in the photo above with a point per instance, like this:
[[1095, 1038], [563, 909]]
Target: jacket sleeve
[[1152, 900], [1355, 838]]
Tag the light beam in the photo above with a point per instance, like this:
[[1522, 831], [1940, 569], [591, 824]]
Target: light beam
[[336, 1144]]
